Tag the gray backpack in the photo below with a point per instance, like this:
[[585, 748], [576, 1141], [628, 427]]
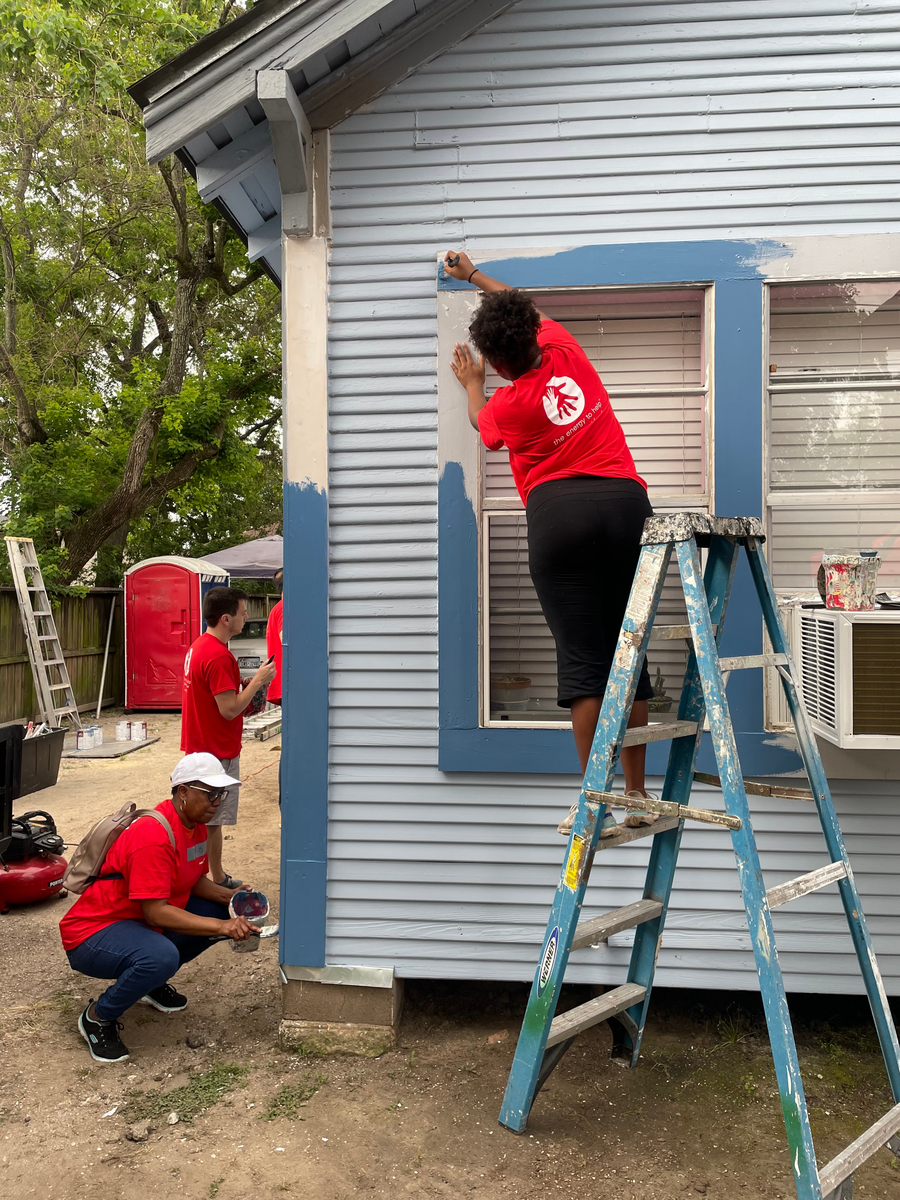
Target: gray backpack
[[86, 863]]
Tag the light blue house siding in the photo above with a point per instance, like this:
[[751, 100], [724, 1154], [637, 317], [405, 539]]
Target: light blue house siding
[[559, 126]]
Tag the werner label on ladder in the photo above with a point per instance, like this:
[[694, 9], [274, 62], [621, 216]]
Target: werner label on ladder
[[545, 1037]]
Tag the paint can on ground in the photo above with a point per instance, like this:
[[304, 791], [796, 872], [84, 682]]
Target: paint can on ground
[[850, 581], [84, 738], [123, 731], [97, 731], [138, 731]]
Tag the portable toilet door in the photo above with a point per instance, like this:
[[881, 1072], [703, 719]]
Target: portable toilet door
[[163, 615]]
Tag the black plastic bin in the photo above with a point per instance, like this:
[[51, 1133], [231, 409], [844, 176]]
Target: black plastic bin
[[10, 773], [40, 761]]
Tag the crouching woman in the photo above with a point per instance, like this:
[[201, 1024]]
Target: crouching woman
[[153, 909]]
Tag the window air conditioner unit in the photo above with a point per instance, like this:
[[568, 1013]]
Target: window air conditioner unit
[[849, 667]]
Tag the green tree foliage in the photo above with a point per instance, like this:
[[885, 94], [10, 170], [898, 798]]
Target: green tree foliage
[[139, 350]]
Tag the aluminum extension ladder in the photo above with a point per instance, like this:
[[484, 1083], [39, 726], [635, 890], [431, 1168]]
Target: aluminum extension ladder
[[544, 1038], [56, 698]]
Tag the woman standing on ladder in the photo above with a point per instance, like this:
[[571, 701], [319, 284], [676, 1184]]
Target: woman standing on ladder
[[584, 501]]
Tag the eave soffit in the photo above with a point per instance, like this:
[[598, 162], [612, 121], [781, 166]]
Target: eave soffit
[[340, 55]]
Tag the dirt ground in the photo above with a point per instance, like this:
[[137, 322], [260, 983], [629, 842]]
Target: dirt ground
[[698, 1118]]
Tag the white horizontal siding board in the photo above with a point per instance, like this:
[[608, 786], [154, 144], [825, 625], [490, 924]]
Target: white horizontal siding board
[[552, 126]]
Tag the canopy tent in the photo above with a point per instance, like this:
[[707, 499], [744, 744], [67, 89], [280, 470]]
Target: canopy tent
[[259, 559]]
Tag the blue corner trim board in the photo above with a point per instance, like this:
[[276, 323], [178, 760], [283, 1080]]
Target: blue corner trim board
[[737, 271], [304, 797]]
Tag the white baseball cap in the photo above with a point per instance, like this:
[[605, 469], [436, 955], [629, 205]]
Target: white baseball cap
[[201, 768]]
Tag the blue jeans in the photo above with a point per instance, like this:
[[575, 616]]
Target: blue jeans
[[138, 958]]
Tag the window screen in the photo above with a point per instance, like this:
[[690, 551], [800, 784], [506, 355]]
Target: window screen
[[834, 427], [649, 349]]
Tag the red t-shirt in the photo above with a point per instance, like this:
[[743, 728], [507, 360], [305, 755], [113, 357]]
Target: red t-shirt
[[209, 669], [152, 870], [556, 419], [274, 632]]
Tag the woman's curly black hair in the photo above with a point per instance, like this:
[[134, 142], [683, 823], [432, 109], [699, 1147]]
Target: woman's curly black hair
[[505, 329]]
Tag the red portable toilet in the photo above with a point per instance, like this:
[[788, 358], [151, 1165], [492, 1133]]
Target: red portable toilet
[[163, 615]]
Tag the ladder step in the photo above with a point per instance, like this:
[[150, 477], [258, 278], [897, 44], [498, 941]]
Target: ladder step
[[753, 660], [624, 834], [597, 929], [667, 808], [639, 735], [55, 687], [674, 633], [844, 1164], [576, 1020], [40, 613], [804, 884], [758, 789]]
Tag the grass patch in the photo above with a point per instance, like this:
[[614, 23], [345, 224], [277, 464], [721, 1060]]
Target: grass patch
[[200, 1093], [289, 1098]]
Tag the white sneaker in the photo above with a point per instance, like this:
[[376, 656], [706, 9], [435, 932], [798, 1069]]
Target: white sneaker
[[636, 817], [565, 825], [608, 829]]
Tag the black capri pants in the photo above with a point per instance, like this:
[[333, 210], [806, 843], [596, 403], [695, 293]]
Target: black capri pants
[[583, 544]]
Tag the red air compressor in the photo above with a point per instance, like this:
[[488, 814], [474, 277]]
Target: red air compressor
[[31, 866]]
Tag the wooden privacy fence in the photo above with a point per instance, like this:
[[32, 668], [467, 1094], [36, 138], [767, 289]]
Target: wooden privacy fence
[[82, 625]]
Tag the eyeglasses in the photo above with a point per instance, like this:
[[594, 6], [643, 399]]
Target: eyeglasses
[[213, 793]]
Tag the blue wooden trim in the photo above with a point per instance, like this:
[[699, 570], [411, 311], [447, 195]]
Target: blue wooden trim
[[737, 269], [304, 797]]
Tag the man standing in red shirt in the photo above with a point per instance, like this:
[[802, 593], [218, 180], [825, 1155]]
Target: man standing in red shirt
[[274, 635], [274, 632], [212, 706]]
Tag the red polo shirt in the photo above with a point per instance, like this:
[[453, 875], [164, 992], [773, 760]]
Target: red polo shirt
[[556, 419], [209, 669], [151, 870]]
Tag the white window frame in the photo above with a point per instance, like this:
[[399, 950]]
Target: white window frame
[[777, 718], [490, 506]]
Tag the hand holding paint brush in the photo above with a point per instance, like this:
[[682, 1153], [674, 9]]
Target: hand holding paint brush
[[459, 266]]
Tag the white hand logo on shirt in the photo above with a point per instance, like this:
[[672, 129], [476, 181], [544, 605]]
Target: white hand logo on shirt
[[563, 400]]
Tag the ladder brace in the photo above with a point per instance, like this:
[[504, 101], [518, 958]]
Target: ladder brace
[[758, 789], [667, 808]]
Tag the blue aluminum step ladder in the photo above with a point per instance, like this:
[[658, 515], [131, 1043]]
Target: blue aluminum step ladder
[[544, 1038]]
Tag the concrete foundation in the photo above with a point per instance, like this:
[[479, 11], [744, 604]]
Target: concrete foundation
[[327, 1018]]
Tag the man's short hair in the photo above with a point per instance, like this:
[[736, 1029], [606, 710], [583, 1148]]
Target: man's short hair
[[278, 579], [221, 600], [504, 329]]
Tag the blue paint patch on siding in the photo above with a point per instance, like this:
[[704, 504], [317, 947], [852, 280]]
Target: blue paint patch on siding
[[737, 270], [458, 592], [633, 263], [304, 746]]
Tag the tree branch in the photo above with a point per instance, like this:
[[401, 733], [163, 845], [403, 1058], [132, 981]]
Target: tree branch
[[27, 422], [126, 504]]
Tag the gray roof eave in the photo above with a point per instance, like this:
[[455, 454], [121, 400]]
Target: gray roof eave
[[213, 48]]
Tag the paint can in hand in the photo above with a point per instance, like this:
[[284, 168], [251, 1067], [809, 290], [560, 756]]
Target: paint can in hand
[[254, 906]]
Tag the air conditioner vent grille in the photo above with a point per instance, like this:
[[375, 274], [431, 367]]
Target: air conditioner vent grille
[[818, 670], [876, 672]]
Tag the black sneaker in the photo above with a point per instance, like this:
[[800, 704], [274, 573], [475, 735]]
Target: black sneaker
[[166, 999], [102, 1038], [231, 883]]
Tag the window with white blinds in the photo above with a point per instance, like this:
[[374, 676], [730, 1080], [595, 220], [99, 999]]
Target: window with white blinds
[[650, 350], [833, 427]]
